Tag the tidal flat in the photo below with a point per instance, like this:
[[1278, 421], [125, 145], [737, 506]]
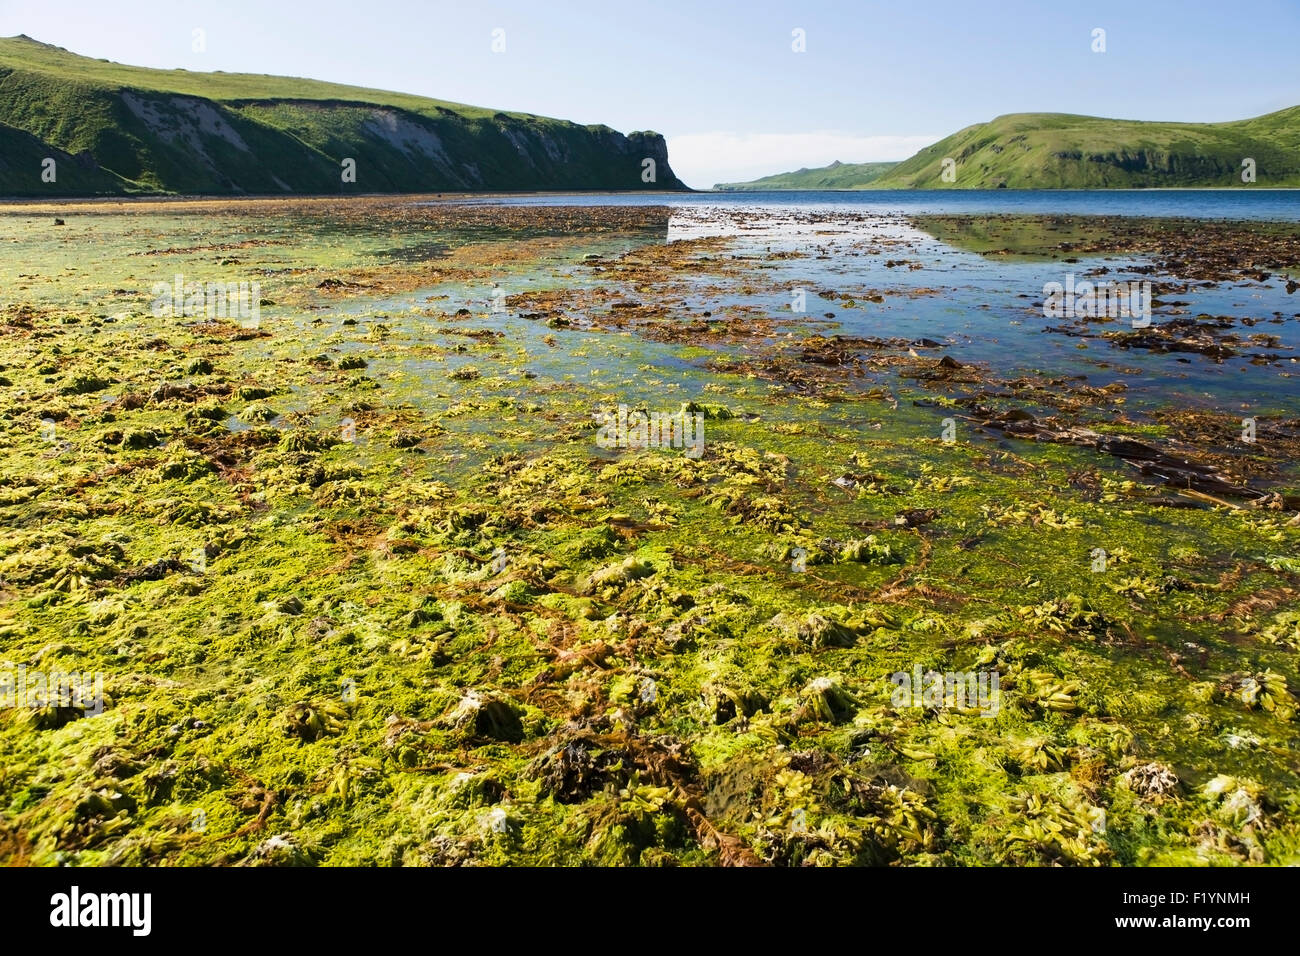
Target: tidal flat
[[364, 589]]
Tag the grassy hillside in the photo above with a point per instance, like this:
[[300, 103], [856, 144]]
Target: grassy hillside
[[135, 129], [1062, 151], [22, 156], [835, 176]]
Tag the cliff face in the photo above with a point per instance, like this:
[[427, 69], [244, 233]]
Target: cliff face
[[137, 130]]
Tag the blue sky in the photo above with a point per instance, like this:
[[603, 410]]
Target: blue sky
[[719, 77]]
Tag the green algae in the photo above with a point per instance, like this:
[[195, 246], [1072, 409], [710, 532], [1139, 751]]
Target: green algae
[[455, 631]]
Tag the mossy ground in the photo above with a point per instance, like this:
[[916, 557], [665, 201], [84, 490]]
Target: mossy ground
[[464, 634]]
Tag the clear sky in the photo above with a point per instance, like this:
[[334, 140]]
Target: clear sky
[[719, 78]]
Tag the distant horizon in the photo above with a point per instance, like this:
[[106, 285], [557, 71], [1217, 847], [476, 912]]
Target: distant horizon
[[733, 97], [712, 187]]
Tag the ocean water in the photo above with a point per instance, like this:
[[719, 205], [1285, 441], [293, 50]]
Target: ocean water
[[983, 309], [1244, 203]]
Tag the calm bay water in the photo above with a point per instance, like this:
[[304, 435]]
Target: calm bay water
[[1244, 203], [983, 309]]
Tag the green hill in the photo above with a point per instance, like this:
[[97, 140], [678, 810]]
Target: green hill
[[21, 159], [1062, 151], [835, 176], [118, 129]]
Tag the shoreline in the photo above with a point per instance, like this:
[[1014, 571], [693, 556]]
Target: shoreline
[[7, 201]]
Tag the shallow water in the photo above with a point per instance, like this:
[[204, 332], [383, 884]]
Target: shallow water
[[983, 309], [1266, 204]]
